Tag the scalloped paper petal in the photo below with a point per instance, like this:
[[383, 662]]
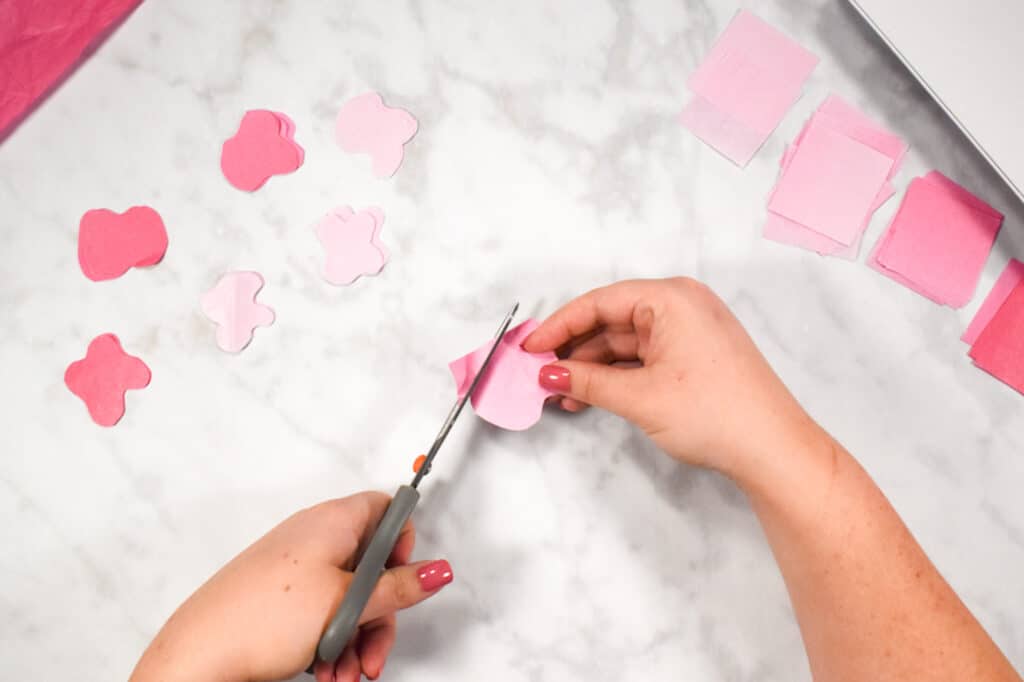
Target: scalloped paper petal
[[110, 243], [366, 125], [262, 147], [231, 304], [352, 243], [103, 376], [508, 395]]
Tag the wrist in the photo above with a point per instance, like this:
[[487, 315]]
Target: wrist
[[785, 459]]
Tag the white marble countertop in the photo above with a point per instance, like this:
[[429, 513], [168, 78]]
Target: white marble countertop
[[548, 161]]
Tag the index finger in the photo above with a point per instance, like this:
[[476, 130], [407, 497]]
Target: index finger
[[610, 305]]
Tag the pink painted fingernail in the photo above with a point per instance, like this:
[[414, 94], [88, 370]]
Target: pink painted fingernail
[[555, 378], [435, 575]]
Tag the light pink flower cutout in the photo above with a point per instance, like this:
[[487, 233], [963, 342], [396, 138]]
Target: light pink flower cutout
[[232, 305], [352, 242], [262, 147], [366, 125], [508, 394]]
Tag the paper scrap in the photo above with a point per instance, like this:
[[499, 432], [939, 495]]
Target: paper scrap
[[41, 43], [366, 125], [110, 243], [352, 243], [1012, 275], [747, 82], [103, 376], [999, 349], [508, 395], [264, 146], [938, 241], [231, 304]]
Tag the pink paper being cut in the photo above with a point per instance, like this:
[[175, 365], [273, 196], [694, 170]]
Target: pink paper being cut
[[508, 395]]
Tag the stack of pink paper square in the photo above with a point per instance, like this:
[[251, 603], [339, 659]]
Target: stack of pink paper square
[[745, 85], [938, 241], [834, 176], [996, 333]]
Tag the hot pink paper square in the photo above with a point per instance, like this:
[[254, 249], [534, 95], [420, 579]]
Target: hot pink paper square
[[999, 349], [831, 184], [1012, 275], [938, 242]]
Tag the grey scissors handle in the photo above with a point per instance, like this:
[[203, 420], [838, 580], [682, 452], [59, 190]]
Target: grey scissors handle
[[346, 619]]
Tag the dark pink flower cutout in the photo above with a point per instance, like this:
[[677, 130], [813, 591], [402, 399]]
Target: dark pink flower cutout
[[110, 243], [262, 147], [103, 376], [353, 245], [366, 125]]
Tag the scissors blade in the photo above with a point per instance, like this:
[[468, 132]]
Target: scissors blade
[[456, 410]]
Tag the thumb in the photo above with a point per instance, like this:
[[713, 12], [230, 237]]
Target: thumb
[[404, 586], [616, 389]]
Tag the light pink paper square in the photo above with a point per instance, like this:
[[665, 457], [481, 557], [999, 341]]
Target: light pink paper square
[[753, 73], [723, 134], [747, 82], [830, 184]]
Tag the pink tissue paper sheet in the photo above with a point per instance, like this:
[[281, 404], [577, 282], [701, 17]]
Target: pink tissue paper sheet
[[999, 349], [831, 184], [42, 41], [232, 306], [1012, 275], [508, 395], [747, 82], [938, 241]]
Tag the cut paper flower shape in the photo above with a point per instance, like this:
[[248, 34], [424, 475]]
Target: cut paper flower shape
[[262, 147], [353, 245], [232, 305], [103, 376], [366, 125], [508, 395], [938, 241], [110, 243], [747, 82]]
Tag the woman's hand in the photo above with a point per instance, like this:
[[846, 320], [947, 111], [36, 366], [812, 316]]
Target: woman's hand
[[693, 380], [261, 616]]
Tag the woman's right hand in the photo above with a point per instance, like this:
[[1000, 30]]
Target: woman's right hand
[[694, 381]]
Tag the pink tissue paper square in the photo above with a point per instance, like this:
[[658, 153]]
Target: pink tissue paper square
[[42, 41], [1012, 275], [938, 241], [747, 82], [831, 184]]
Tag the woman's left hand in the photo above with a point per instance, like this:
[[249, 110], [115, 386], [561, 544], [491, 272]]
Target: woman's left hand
[[260, 617]]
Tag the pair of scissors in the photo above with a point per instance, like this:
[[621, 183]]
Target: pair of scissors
[[371, 564]]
